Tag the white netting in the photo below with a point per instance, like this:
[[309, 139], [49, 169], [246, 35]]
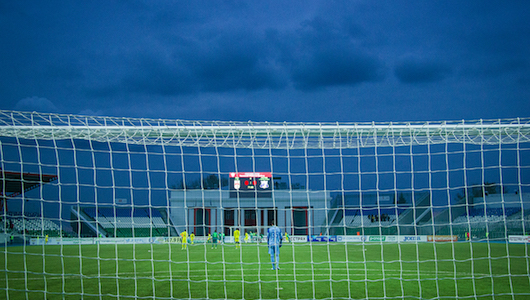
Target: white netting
[[95, 207]]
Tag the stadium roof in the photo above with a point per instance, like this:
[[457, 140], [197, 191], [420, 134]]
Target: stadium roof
[[15, 183]]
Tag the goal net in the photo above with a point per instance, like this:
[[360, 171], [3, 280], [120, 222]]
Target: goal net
[[121, 208]]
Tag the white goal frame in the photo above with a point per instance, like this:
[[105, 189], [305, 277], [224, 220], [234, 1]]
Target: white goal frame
[[261, 134], [289, 137]]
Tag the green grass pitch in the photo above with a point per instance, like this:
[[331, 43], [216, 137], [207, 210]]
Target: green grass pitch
[[372, 270]]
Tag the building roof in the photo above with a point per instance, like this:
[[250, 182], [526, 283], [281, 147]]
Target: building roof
[[15, 183]]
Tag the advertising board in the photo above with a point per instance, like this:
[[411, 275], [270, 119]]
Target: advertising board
[[323, 238], [382, 238], [519, 239], [298, 238], [442, 238], [62, 241], [167, 240], [293, 239], [391, 239], [412, 238], [376, 238], [351, 238]]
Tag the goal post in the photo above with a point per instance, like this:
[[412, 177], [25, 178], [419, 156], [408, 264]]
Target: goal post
[[95, 207]]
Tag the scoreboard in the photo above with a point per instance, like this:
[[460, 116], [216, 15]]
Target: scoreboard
[[250, 184]]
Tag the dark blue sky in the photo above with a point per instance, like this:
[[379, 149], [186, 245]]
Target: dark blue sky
[[267, 60]]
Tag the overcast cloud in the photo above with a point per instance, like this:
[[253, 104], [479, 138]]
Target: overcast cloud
[[268, 60]]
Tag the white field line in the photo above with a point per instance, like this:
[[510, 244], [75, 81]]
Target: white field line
[[263, 273]]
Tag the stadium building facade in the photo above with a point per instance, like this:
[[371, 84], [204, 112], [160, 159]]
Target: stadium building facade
[[298, 212]]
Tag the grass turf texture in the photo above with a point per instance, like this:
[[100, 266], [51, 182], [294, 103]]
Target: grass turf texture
[[372, 270]]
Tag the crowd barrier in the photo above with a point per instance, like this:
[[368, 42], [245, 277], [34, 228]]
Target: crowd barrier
[[292, 239]]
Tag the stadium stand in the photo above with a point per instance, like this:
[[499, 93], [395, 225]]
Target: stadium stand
[[30, 224], [369, 217], [122, 222], [376, 214], [490, 223]]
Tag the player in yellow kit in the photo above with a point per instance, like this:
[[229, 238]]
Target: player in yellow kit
[[247, 237], [192, 237], [236, 238], [184, 236]]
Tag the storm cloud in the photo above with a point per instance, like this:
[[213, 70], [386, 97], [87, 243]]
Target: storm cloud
[[412, 72], [302, 60]]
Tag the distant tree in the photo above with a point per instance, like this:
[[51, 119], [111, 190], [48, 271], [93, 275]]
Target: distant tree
[[491, 188], [212, 181], [209, 182], [179, 185], [465, 194], [477, 191], [488, 188], [461, 195], [505, 190]]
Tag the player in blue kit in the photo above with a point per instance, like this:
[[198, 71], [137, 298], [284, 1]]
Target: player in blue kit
[[274, 240]]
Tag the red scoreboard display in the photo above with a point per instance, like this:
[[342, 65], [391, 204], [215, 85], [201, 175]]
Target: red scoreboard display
[[250, 184]]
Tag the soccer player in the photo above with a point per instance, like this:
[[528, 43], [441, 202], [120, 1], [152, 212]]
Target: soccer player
[[215, 237], [192, 237], [274, 240], [45, 239], [236, 238], [184, 236], [246, 237], [287, 238]]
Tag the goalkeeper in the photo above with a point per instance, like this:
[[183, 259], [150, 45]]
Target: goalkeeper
[[274, 240]]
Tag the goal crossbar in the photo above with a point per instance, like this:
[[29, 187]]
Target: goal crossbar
[[261, 134]]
